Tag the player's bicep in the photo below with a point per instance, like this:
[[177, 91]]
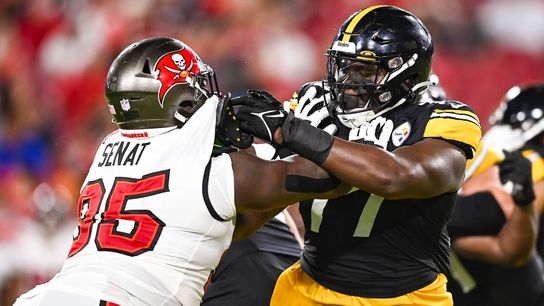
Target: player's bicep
[[436, 166], [264, 185], [256, 181]]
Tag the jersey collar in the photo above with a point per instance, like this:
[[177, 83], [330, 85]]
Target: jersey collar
[[145, 133]]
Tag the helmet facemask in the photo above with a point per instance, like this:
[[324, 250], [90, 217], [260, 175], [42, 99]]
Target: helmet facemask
[[379, 59], [204, 85], [519, 119], [366, 86]]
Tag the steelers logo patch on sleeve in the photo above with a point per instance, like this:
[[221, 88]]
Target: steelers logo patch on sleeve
[[401, 133]]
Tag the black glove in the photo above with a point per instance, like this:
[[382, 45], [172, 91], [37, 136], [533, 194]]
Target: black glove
[[228, 130], [259, 113], [518, 170]]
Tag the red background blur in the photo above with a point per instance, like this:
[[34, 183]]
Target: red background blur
[[54, 55]]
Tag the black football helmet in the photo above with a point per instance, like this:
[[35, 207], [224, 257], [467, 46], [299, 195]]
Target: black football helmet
[[379, 59], [157, 82], [519, 119]]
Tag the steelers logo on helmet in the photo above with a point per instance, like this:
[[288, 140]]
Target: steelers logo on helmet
[[157, 82], [379, 59]]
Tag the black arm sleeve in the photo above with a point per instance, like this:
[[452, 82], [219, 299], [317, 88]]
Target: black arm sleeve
[[477, 214], [298, 183]]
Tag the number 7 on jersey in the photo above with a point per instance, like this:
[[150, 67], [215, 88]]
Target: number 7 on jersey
[[366, 219]]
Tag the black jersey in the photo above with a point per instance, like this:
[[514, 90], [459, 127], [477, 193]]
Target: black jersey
[[477, 283], [535, 153], [273, 237], [361, 244], [487, 156]]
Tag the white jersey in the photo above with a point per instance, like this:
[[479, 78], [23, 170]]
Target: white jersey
[[155, 216]]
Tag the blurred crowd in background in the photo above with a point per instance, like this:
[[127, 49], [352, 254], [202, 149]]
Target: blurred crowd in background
[[54, 56]]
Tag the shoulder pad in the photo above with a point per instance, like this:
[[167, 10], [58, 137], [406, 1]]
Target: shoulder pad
[[456, 122]]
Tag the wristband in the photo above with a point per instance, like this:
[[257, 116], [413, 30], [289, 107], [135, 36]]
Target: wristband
[[306, 140]]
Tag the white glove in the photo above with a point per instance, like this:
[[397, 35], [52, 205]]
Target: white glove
[[311, 105]]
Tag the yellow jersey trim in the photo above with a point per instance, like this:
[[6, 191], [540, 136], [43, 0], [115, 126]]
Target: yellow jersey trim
[[484, 158], [537, 164], [458, 111], [456, 116], [461, 130]]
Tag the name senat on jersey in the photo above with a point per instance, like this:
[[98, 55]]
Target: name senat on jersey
[[379, 131], [122, 153]]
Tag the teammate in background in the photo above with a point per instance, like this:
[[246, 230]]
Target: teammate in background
[[156, 210], [249, 269], [493, 235], [385, 243], [518, 124]]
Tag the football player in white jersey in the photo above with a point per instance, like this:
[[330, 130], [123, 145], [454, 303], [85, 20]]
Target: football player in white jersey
[[159, 205]]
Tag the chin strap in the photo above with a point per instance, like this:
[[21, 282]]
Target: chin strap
[[193, 82], [356, 119], [180, 117], [421, 87], [184, 118]]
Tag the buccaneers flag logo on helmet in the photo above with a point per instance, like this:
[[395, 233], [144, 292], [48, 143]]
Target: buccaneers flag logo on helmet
[[174, 68]]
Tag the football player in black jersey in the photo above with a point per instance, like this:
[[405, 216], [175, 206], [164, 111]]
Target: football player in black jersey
[[250, 267], [518, 123], [384, 243], [493, 237]]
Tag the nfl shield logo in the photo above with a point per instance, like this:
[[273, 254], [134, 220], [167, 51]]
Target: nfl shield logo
[[125, 104]]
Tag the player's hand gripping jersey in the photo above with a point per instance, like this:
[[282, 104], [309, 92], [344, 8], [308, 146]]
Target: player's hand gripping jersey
[[362, 244], [152, 229]]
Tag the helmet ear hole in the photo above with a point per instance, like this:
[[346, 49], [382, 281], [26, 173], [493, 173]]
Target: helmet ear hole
[[186, 108], [186, 104]]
